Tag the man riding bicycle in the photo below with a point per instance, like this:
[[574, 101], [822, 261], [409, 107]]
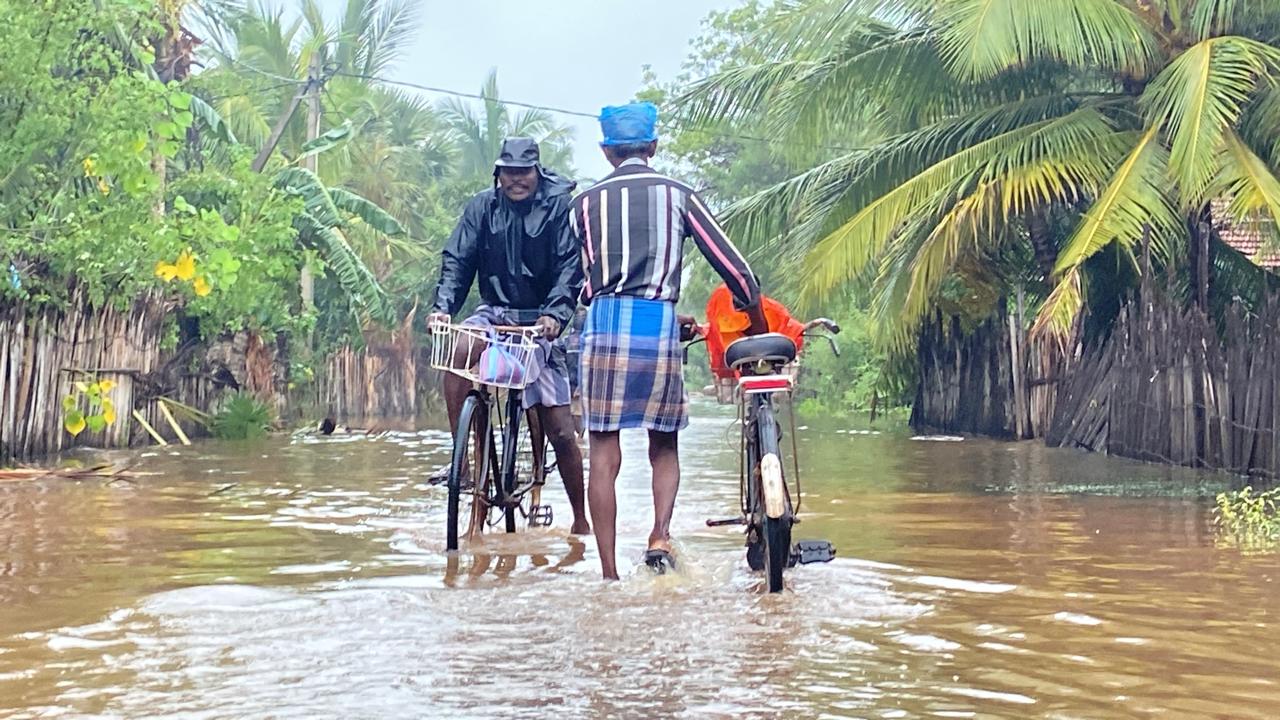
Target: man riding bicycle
[[514, 240]]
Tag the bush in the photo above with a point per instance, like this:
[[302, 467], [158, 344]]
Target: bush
[[243, 417], [1249, 520]]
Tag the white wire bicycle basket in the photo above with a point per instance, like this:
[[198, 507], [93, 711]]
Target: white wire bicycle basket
[[498, 357]]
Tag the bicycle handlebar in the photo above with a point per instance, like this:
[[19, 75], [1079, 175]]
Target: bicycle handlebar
[[835, 349], [517, 329]]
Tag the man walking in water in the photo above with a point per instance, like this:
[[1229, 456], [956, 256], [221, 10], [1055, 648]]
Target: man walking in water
[[514, 240], [632, 227]]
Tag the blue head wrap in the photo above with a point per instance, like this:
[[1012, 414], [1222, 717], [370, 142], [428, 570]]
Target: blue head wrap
[[631, 124]]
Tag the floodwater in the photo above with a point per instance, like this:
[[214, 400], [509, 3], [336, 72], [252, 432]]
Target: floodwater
[[306, 578]]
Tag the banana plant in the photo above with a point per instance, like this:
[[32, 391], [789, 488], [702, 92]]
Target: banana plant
[[322, 226]]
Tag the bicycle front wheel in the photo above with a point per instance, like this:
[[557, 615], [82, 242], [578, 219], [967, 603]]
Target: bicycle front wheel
[[469, 468], [774, 517], [510, 456]]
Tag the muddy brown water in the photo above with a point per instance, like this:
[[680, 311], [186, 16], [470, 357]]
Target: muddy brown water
[[305, 578]]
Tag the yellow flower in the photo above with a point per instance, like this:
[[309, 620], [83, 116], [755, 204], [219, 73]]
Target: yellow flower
[[108, 411], [166, 271], [103, 187], [201, 286], [90, 167], [106, 385], [186, 266]]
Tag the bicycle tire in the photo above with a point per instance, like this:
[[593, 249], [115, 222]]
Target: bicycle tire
[[774, 508], [510, 448], [473, 435]]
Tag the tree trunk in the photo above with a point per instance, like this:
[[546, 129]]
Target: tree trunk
[[1046, 251]]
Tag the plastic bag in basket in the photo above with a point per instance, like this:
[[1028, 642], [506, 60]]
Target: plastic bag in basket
[[500, 365]]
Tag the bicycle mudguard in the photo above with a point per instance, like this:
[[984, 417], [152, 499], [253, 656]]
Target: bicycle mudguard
[[774, 487]]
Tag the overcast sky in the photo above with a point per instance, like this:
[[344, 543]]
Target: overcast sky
[[575, 54]]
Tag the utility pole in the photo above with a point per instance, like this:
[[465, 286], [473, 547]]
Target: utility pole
[[260, 161]]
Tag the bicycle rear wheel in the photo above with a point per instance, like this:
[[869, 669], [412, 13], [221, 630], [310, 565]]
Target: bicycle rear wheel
[[773, 511], [471, 464]]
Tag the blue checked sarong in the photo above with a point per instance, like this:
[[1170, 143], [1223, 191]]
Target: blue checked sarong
[[550, 384], [631, 366]]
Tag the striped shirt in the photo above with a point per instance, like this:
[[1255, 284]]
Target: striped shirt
[[632, 227]]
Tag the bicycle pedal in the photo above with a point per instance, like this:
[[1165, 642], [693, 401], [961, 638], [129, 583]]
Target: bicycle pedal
[[711, 522], [540, 516], [806, 552]]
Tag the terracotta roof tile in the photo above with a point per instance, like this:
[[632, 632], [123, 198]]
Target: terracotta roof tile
[[1245, 238]]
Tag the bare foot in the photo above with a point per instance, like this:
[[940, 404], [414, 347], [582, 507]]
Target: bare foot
[[580, 527], [660, 543]]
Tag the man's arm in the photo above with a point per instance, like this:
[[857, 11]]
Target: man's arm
[[726, 260], [563, 298], [459, 260]]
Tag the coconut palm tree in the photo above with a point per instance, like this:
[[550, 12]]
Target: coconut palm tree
[[1066, 125], [380, 146], [481, 130]]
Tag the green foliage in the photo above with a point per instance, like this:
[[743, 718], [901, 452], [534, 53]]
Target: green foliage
[[241, 228], [1248, 520], [992, 116], [242, 417], [734, 157], [480, 130], [83, 203], [847, 385]]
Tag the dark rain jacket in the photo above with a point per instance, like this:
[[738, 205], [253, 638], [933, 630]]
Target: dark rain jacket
[[525, 258]]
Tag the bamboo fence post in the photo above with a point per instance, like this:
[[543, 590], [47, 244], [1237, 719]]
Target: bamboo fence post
[[150, 430], [177, 429]]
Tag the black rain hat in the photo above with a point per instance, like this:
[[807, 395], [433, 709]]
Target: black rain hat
[[518, 152]]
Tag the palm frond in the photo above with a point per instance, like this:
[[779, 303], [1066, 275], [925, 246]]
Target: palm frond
[[1134, 199], [1258, 123], [845, 251], [1250, 186], [385, 41], [982, 38], [1218, 17], [1062, 307], [737, 93], [1198, 97], [1133, 202]]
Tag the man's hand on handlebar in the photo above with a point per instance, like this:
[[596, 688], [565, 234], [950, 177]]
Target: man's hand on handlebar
[[548, 327], [689, 328]]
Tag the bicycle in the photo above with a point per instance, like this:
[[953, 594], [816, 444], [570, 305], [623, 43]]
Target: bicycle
[[769, 509], [505, 479]]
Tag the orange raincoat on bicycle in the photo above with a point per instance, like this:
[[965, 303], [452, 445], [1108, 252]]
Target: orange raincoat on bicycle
[[725, 324]]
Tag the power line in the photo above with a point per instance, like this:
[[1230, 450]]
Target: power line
[[260, 71], [255, 90], [579, 113], [471, 96], [332, 72]]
